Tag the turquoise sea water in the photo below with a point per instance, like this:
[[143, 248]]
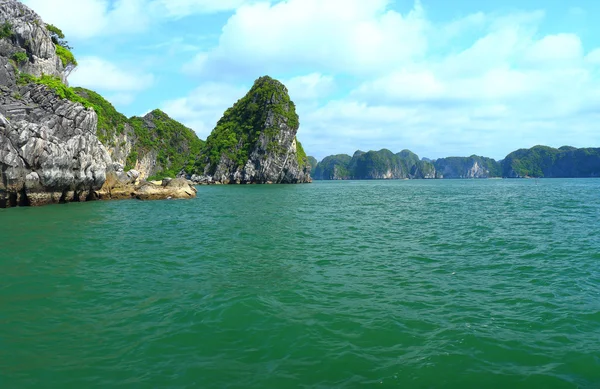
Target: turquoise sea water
[[400, 284]]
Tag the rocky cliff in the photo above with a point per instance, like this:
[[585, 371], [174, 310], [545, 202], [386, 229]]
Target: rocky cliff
[[58, 144], [155, 145], [255, 141], [26, 45], [49, 151]]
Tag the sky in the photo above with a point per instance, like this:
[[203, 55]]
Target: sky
[[438, 77]]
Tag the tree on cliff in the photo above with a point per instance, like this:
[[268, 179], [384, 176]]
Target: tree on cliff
[[63, 50], [58, 37]]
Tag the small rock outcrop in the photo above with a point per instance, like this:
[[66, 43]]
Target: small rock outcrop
[[123, 187], [255, 141]]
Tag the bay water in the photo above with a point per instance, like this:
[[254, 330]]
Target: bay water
[[387, 284]]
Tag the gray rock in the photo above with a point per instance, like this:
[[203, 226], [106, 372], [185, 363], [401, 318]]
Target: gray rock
[[30, 36], [50, 152], [118, 167], [133, 174]]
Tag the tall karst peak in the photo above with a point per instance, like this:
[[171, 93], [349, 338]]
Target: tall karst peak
[[255, 140]]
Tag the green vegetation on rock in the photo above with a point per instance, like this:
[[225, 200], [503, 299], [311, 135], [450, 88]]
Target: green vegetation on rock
[[55, 84], [313, 164], [6, 30], [377, 165], [539, 161], [63, 50], [110, 122], [384, 164], [20, 57], [238, 131], [334, 167], [301, 154], [461, 167], [544, 161], [131, 160], [176, 146], [66, 57]]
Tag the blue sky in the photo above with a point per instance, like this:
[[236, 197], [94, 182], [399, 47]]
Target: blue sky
[[438, 77]]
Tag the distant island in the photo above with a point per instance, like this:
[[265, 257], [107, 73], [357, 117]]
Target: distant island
[[538, 162]]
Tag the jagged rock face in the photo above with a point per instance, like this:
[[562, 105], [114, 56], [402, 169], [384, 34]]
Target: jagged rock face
[[121, 146], [255, 141], [153, 145], [49, 151], [29, 36]]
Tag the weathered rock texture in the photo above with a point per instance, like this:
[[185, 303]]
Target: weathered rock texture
[[51, 148], [255, 141], [122, 187], [49, 151], [153, 145], [29, 36]]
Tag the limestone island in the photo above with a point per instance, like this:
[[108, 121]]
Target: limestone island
[[61, 144]]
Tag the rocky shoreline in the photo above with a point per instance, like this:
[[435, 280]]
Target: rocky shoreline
[[60, 144]]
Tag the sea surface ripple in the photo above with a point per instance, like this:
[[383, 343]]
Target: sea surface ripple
[[388, 284]]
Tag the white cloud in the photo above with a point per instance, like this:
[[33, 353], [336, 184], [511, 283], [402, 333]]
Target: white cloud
[[83, 19], [203, 107], [180, 8], [99, 74], [555, 49], [309, 87], [510, 87], [121, 99], [351, 36]]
